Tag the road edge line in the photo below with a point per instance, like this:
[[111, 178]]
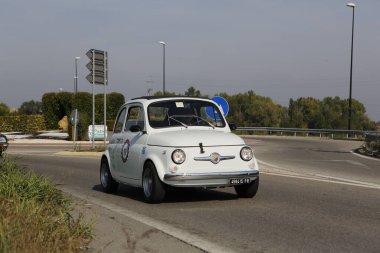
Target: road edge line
[[177, 233]]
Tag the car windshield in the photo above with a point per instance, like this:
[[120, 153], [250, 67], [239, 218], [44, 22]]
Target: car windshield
[[173, 113]]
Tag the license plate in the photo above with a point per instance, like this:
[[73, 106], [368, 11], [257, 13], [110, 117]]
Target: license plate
[[235, 181]]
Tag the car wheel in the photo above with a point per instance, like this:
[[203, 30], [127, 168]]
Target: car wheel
[[153, 188], [247, 190], [109, 184]]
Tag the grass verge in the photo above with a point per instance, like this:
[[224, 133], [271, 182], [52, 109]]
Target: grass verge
[[35, 215]]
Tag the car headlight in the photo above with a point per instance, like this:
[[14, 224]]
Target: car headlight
[[178, 156], [246, 153]]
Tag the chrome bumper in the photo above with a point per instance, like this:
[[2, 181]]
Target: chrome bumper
[[208, 176]]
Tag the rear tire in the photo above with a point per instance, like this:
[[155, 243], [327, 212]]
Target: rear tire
[[153, 188], [247, 190], [109, 185]]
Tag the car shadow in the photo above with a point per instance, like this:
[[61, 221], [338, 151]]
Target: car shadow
[[330, 151], [174, 195]]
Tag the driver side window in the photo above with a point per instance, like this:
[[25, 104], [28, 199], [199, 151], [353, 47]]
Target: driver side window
[[135, 117], [120, 121]]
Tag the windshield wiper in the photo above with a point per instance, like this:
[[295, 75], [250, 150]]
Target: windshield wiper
[[211, 125], [172, 118]]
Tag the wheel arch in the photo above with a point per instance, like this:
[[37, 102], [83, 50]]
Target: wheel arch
[[158, 164], [106, 157]]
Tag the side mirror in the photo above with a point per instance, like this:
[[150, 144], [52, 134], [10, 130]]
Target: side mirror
[[135, 128], [232, 126]]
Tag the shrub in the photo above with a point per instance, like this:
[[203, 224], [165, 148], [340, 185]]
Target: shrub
[[22, 123]]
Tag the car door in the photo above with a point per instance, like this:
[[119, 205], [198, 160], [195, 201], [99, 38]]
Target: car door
[[115, 141], [131, 145]]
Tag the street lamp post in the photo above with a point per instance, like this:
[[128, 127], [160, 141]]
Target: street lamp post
[[163, 66], [75, 92], [351, 5], [76, 75]]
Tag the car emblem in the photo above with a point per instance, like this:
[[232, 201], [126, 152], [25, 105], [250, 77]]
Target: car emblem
[[125, 151], [215, 158]]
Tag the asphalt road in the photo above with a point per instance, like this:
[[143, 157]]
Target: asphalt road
[[314, 196]]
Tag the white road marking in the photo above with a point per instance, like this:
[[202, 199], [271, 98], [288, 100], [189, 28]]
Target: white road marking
[[180, 234], [283, 172], [366, 157]]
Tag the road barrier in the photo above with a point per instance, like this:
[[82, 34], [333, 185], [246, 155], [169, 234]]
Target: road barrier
[[321, 132]]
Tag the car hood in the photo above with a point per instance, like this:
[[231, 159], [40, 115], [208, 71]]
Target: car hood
[[192, 138]]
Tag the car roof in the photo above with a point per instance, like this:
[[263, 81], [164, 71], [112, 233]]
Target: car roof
[[149, 99], [168, 97]]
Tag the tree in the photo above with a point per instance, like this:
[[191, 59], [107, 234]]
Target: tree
[[4, 109], [114, 102], [30, 108], [249, 109], [167, 94], [304, 112], [192, 92]]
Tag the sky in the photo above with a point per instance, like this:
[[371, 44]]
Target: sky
[[278, 48]]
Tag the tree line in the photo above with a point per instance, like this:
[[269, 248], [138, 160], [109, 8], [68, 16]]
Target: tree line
[[246, 109], [251, 110]]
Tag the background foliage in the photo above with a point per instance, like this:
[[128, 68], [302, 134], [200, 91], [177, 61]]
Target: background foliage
[[22, 123], [246, 109]]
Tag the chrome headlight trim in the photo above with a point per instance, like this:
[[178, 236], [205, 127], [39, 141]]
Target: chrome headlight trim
[[178, 156], [246, 153]]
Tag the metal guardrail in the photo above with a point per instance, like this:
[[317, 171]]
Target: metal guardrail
[[320, 132]]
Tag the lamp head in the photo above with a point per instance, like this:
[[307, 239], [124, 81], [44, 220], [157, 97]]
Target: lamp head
[[351, 5], [161, 42]]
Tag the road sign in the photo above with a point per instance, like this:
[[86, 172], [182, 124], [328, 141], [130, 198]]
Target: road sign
[[222, 102], [98, 67], [99, 132], [223, 105], [96, 55], [74, 117], [99, 79]]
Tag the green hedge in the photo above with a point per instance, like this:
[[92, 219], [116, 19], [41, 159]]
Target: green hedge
[[57, 105], [22, 123]]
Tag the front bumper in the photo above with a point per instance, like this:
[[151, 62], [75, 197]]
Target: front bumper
[[208, 179]]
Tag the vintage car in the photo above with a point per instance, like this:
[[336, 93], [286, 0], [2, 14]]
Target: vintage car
[[3, 144], [168, 142]]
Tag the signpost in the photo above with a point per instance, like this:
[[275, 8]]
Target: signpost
[[98, 67], [74, 119]]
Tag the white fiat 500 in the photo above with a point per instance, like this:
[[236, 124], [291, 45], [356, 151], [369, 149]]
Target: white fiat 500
[[176, 142]]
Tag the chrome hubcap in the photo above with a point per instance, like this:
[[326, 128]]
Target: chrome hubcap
[[148, 182], [104, 176]]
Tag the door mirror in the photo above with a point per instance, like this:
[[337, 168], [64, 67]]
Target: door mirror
[[135, 128], [233, 126]]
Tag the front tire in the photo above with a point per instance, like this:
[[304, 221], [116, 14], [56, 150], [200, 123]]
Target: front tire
[[247, 190], [153, 188], [109, 185]]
